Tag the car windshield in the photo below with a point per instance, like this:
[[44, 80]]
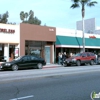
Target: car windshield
[[18, 58], [78, 54]]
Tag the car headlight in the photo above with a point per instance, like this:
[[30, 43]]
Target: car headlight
[[7, 64], [74, 59]]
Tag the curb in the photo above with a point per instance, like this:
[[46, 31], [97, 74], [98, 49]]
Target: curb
[[51, 66]]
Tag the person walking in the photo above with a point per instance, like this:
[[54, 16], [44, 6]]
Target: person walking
[[59, 58], [64, 56], [96, 61]]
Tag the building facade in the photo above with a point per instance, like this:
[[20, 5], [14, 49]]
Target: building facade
[[25, 39], [70, 41], [43, 41], [9, 40], [38, 40]]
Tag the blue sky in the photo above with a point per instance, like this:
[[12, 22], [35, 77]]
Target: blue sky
[[56, 13]]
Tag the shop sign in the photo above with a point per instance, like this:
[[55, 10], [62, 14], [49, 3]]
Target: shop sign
[[93, 37], [4, 30]]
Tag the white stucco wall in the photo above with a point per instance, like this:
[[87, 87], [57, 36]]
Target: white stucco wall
[[73, 33], [10, 37]]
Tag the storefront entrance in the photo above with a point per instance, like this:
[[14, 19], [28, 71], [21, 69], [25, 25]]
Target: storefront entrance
[[7, 52], [11, 52], [47, 54]]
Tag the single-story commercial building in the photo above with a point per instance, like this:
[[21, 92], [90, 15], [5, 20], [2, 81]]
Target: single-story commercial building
[[23, 39], [44, 41], [70, 41]]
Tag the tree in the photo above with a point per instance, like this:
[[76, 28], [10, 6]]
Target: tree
[[29, 18], [26, 15], [37, 21], [4, 17], [22, 15], [83, 3]]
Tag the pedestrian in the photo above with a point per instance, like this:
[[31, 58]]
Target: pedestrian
[[96, 57], [59, 58], [64, 56]]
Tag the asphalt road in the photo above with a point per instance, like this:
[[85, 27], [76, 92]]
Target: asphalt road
[[76, 85]]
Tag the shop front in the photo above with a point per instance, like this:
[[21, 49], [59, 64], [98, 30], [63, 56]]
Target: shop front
[[9, 41], [37, 40], [70, 41]]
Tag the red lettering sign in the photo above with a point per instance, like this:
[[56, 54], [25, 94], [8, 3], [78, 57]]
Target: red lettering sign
[[93, 37], [7, 30]]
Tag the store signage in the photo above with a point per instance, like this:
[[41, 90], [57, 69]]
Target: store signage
[[93, 37], [4, 30], [51, 29]]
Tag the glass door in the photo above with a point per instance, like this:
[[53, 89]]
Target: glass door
[[47, 54]]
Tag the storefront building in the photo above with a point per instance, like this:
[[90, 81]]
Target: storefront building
[[26, 39], [43, 41], [38, 40], [70, 41], [9, 41]]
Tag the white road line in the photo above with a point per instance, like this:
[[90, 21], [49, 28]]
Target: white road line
[[23, 97]]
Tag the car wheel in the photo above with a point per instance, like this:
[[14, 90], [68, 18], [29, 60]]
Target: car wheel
[[91, 62], [14, 67], [65, 65], [39, 66], [78, 63]]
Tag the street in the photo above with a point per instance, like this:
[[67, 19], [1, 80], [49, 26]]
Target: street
[[63, 83]]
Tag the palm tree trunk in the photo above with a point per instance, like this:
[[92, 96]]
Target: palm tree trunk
[[83, 14], [83, 34]]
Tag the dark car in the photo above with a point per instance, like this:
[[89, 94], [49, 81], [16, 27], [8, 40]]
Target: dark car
[[22, 62], [81, 58]]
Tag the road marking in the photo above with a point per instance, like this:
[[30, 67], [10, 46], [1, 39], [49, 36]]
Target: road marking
[[23, 97]]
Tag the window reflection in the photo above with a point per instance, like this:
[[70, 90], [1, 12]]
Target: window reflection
[[34, 48]]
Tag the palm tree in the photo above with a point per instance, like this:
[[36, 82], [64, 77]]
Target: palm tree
[[31, 13], [22, 16], [83, 3], [26, 15]]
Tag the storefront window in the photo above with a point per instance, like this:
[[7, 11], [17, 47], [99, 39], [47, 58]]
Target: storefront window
[[34, 48], [35, 52]]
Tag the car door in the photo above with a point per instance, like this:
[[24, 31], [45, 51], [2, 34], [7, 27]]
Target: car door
[[29, 64], [84, 58], [24, 62], [88, 57], [34, 60]]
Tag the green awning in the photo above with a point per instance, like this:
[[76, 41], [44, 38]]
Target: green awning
[[77, 41]]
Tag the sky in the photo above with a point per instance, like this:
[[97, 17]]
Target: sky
[[55, 13]]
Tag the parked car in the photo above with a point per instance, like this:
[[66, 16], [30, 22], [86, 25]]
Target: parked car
[[81, 58], [27, 61]]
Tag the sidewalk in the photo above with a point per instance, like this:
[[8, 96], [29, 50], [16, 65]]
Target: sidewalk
[[51, 66]]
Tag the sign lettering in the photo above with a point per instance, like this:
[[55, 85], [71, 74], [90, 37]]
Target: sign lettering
[[93, 37], [7, 30]]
